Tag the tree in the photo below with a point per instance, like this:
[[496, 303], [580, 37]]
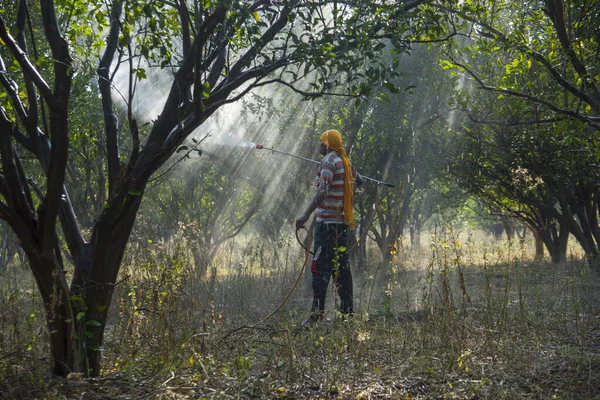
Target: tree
[[538, 62], [400, 137], [516, 171], [226, 50], [209, 195]]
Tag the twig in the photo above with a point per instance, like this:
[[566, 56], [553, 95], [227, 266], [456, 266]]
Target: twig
[[170, 379]]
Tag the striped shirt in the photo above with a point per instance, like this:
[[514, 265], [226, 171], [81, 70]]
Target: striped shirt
[[330, 176]]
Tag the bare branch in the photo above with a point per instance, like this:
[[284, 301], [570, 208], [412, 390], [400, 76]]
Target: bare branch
[[172, 115]]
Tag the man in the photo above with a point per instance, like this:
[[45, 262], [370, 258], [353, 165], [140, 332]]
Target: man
[[333, 205]]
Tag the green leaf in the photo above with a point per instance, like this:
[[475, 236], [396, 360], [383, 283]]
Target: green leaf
[[391, 87], [379, 46], [141, 73], [100, 18], [100, 308], [79, 316], [206, 90], [123, 40], [92, 323], [77, 299], [383, 97], [445, 64]]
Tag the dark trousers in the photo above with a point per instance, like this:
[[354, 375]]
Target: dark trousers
[[331, 258]]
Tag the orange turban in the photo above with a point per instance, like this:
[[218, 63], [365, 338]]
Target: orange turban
[[333, 140]]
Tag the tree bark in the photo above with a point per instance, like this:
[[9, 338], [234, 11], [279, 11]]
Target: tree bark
[[539, 244], [99, 272], [556, 242]]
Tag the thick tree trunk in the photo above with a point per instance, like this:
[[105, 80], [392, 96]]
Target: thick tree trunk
[[97, 272], [106, 256], [583, 237], [587, 234], [66, 354]]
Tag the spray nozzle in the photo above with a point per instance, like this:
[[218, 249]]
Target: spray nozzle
[[259, 146]]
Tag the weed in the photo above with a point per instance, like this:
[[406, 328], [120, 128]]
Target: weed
[[459, 318]]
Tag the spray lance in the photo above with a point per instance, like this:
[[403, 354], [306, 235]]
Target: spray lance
[[307, 251], [261, 147]]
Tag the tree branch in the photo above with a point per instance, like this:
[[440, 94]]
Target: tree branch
[[267, 37], [501, 37], [17, 199], [304, 93], [59, 132], [26, 65], [111, 126], [556, 13], [31, 122], [170, 117], [534, 99]]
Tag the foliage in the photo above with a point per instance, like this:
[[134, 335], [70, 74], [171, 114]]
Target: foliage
[[529, 146]]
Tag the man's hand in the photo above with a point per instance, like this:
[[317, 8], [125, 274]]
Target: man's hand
[[301, 221]]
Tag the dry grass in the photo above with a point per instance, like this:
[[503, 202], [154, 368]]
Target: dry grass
[[465, 317]]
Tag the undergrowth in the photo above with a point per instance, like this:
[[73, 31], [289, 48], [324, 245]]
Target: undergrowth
[[457, 319]]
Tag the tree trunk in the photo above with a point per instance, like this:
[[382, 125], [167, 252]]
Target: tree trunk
[[509, 227], [353, 245], [97, 272], [556, 242], [385, 245], [415, 233], [64, 349], [584, 238], [539, 244], [363, 229]]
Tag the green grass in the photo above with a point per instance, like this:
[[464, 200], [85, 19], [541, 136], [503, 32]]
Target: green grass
[[464, 317]]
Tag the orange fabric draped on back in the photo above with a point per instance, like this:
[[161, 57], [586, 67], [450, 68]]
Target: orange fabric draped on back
[[333, 140]]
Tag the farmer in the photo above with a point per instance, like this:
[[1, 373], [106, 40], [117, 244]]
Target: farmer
[[333, 203]]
